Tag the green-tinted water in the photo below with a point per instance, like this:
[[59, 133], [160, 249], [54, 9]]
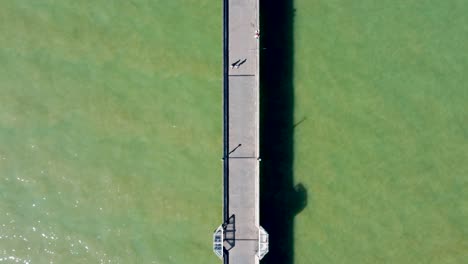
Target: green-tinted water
[[110, 131], [383, 152]]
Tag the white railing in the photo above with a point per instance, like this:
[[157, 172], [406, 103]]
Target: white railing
[[262, 243], [218, 238]]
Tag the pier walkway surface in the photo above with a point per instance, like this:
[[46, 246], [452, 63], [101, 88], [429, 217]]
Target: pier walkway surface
[[243, 240]]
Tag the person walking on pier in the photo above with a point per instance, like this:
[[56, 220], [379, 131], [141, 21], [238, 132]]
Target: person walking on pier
[[235, 64], [240, 63]]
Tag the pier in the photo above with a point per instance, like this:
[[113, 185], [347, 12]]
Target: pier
[[241, 239]]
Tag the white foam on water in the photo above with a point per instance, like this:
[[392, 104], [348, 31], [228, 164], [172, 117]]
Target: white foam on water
[[15, 259]]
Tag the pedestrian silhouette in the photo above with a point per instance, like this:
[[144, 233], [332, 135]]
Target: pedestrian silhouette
[[240, 63], [235, 63]]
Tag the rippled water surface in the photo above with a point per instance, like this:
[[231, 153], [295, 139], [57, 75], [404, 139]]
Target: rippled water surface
[[109, 141]]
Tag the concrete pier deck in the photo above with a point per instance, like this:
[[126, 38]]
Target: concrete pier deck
[[241, 132]]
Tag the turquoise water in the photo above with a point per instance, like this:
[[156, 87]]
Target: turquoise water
[[109, 141]]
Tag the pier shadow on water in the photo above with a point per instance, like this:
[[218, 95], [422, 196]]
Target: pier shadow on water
[[281, 199]]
